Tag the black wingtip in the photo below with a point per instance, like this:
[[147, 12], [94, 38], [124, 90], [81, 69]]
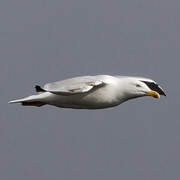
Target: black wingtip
[[164, 94], [155, 87], [39, 89]]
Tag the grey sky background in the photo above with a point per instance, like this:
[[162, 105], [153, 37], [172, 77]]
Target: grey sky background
[[44, 41]]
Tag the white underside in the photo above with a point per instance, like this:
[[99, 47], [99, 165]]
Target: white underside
[[100, 98]]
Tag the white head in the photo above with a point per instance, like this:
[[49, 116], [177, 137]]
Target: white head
[[137, 87]]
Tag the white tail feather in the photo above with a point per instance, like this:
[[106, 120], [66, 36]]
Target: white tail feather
[[15, 101], [26, 99], [33, 100]]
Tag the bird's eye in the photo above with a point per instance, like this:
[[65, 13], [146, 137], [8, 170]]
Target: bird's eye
[[137, 85]]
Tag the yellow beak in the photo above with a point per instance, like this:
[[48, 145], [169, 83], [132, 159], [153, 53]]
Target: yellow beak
[[153, 94]]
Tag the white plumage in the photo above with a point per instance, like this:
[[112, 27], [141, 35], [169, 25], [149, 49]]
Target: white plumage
[[92, 92]]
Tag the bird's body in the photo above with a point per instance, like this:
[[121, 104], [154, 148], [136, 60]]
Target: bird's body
[[96, 99], [92, 92]]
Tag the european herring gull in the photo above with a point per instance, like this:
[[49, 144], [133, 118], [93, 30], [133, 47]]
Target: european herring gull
[[92, 92]]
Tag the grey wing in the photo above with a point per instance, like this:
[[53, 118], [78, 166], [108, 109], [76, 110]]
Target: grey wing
[[75, 85]]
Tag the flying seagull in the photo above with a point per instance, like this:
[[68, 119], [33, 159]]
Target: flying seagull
[[92, 92]]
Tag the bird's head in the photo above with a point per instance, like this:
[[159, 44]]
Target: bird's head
[[137, 87]]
